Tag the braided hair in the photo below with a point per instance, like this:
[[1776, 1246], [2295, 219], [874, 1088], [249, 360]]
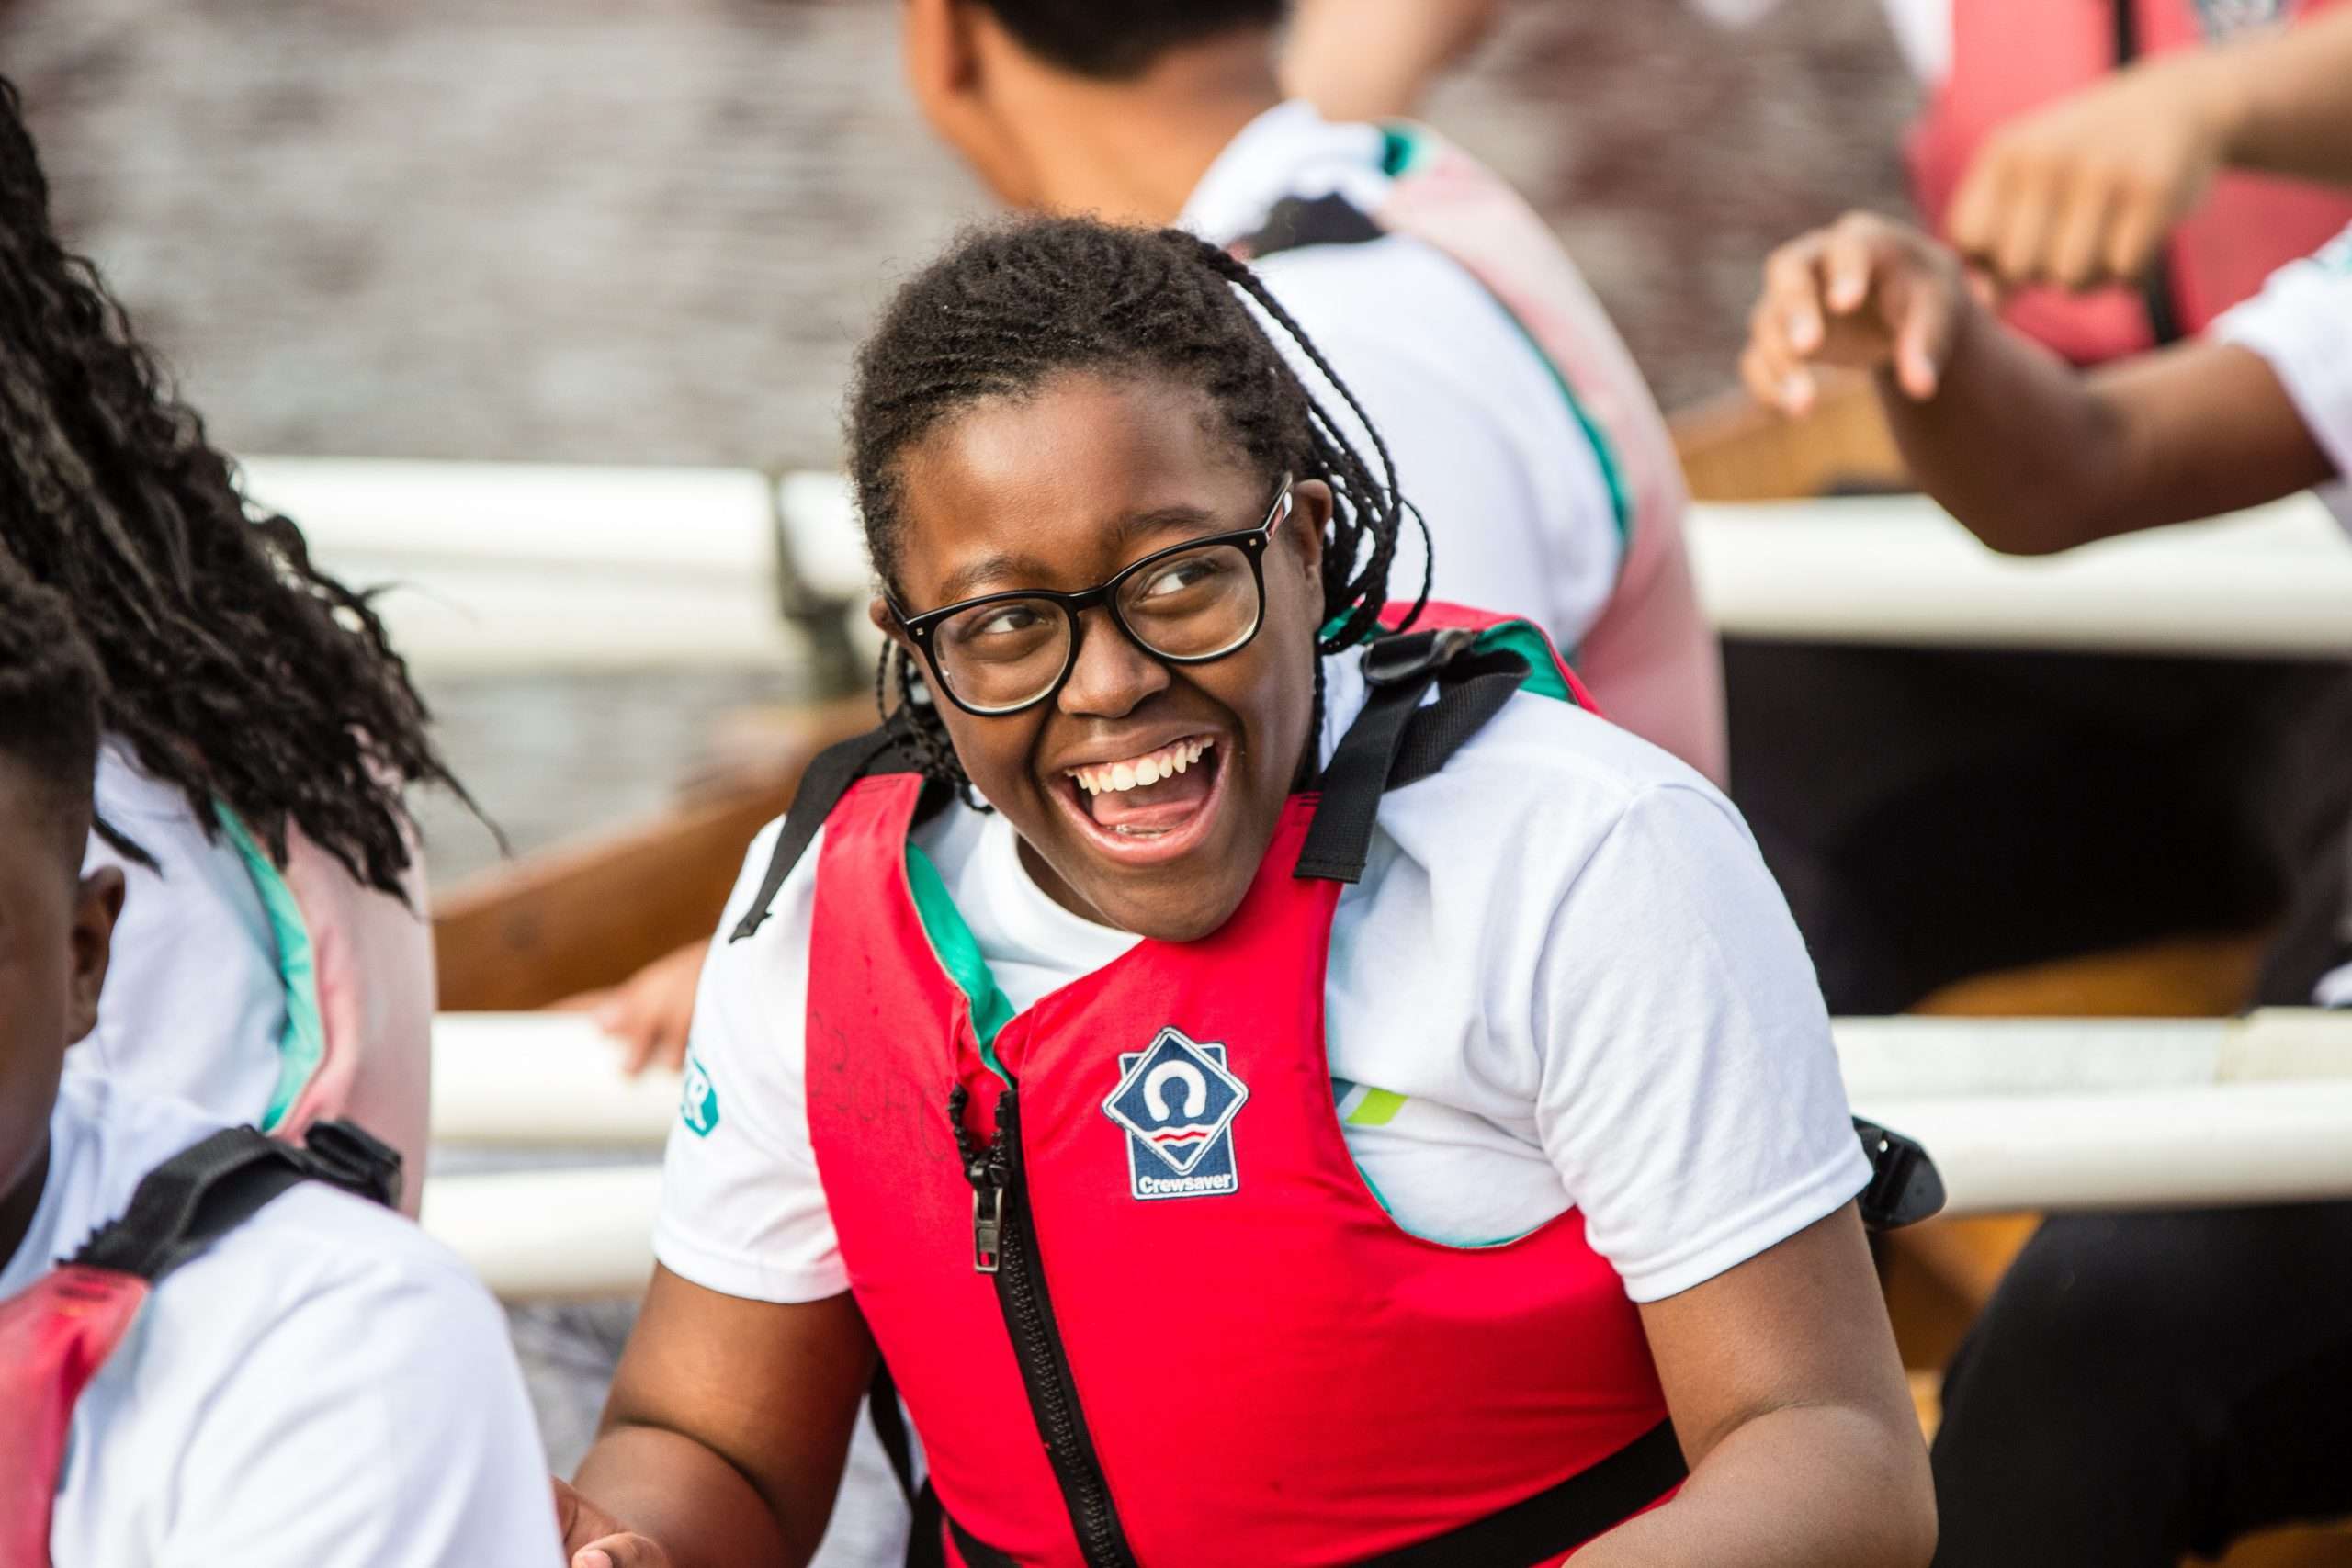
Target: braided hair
[[1012, 305], [50, 688], [236, 671]]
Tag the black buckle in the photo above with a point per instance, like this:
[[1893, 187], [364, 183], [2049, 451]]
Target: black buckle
[[1904, 1186], [1409, 656], [348, 1156]]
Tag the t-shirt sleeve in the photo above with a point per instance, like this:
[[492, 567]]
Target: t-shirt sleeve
[[742, 1210], [2302, 324], [1688, 1094], [378, 1423]]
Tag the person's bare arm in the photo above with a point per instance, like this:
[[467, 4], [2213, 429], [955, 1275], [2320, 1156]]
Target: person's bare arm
[[1376, 59], [2083, 191], [725, 1435], [1792, 1409], [2031, 454]]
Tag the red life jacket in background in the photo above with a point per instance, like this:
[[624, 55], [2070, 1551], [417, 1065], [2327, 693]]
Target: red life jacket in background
[[2012, 56], [55, 1335], [1135, 1293]]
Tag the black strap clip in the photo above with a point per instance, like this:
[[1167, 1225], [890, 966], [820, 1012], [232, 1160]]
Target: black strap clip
[[1411, 656], [1904, 1186], [345, 1155]]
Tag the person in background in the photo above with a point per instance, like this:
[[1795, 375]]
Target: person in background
[[2120, 170], [275, 966], [318, 1386], [2144, 1386], [1516, 418]]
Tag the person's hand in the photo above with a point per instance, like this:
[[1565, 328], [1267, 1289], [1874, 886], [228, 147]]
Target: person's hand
[[594, 1539], [651, 1011], [1866, 293], [2083, 191]]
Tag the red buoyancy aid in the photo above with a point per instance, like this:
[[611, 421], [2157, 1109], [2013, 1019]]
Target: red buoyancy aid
[[2012, 56], [55, 1335], [1140, 1302]]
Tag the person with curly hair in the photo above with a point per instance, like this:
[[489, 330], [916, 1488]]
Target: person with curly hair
[[261, 732]]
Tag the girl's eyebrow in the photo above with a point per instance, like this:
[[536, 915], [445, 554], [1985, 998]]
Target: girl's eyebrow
[[971, 580]]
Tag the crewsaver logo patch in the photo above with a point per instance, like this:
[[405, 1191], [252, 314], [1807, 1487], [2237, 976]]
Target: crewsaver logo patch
[[1176, 1102]]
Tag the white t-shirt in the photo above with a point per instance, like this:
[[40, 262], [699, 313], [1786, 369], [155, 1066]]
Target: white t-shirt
[[194, 1006], [2302, 323], [1484, 444], [325, 1388], [1567, 980]]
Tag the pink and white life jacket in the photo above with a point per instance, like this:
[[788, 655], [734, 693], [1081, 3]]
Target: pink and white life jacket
[[1650, 655], [358, 971], [55, 1335], [2013, 56], [1139, 1301]]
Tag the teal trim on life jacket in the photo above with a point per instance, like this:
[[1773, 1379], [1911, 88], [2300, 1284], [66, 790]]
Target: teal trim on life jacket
[[960, 954], [1400, 148], [1521, 637], [302, 1045]]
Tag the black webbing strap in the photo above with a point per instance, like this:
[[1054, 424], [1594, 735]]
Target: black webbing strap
[[827, 778], [890, 1428], [1396, 741], [2156, 293], [1562, 1518], [1553, 1521], [202, 1193], [1298, 223]]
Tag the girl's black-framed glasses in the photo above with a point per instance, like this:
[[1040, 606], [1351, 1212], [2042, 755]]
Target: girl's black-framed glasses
[[1191, 603]]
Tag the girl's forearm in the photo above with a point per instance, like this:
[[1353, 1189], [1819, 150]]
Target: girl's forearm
[[672, 1490], [1814, 1487]]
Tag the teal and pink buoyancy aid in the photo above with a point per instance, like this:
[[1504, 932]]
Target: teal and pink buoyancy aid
[[1650, 654], [1141, 1303], [55, 1335], [2010, 57]]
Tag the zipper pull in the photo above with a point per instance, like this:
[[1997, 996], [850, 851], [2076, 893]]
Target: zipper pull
[[985, 1171], [987, 1221]]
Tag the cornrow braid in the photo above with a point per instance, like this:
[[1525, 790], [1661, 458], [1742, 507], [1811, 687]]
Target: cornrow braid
[[1012, 305], [236, 671]]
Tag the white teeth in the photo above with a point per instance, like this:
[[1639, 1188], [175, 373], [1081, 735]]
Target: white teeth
[[1164, 764]]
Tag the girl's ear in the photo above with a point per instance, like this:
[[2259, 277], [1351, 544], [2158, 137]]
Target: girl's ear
[[877, 610], [1310, 516], [97, 903]]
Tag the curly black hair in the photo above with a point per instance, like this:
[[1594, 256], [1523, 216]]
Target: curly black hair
[[235, 670], [1012, 305], [1118, 40], [50, 692]]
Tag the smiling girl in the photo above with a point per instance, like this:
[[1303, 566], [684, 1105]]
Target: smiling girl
[[1275, 1091]]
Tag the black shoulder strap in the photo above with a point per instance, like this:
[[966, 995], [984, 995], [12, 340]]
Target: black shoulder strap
[[1397, 740], [1296, 224], [2156, 295], [199, 1195], [829, 777]]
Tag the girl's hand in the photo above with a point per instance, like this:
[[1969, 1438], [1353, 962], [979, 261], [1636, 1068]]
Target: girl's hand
[[594, 1539], [2082, 192], [652, 1013], [1866, 293]]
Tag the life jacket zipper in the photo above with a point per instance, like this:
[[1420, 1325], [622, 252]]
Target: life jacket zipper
[[1004, 1248]]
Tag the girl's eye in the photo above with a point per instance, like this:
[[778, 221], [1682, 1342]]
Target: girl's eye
[[1004, 622], [1179, 575]]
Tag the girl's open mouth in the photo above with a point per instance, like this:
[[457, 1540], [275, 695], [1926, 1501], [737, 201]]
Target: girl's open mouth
[[1147, 808]]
